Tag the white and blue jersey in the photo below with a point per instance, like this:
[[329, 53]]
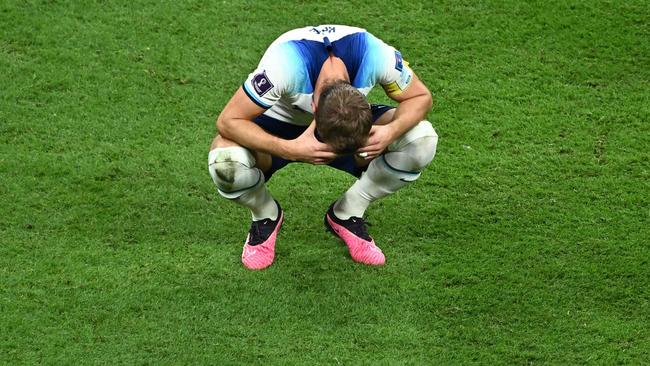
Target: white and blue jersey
[[284, 80]]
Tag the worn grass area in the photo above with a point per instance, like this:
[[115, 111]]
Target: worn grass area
[[525, 242]]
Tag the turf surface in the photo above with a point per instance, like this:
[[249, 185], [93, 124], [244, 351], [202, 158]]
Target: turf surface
[[525, 242]]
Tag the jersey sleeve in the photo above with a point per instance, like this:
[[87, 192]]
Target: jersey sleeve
[[393, 72], [268, 82]]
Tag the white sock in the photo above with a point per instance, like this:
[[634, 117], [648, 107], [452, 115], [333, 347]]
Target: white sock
[[377, 182], [234, 173], [260, 202], [385, 175]]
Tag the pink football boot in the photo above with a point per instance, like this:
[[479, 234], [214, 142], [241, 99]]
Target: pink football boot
[[259, 250], [354, 234]]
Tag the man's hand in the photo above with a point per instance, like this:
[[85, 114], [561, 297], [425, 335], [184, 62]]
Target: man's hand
[[379, 139], [414, 103], [308, 149]]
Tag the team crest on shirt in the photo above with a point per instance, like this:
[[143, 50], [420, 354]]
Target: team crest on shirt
[[261, 83]]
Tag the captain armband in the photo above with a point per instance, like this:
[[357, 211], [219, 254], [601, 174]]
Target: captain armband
[[403, 80]]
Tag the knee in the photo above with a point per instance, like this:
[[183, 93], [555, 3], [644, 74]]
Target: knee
[[233, 170], [416, 148]]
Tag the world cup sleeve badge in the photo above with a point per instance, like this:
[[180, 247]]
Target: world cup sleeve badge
[[261, 83]]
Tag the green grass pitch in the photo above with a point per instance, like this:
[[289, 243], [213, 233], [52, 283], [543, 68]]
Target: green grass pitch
[[526, 242]]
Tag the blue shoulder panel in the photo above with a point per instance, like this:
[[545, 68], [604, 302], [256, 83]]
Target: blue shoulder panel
[[351, 49], [372, 65], [313, 55]]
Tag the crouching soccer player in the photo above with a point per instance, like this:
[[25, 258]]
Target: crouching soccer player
[[306, 102]]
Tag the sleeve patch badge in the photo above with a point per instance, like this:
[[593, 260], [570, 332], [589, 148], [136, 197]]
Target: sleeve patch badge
[[405, 78], [399, 62], [261, 83]]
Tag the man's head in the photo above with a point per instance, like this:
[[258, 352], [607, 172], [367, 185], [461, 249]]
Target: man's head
[[343, 117]]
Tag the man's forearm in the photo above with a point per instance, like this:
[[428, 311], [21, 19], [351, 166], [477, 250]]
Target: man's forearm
[[252, 136], [409, 113]]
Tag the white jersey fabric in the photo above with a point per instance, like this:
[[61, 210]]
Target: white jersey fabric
[[284, 80]]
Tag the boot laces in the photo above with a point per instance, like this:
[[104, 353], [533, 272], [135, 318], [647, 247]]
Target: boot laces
[[260, 231]]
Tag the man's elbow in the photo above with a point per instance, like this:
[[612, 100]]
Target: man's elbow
[[428, 100], [224, 125]]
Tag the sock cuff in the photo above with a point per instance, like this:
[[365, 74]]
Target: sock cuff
[[231, 153], [240, 192], [420, 130], [403, 175]]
